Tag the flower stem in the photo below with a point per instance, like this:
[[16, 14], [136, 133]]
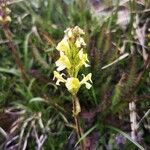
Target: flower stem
[[76, 111]]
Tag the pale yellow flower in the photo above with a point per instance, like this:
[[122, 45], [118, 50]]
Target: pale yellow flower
[[59, 77], [73, 32], [69, 33], [83, 59], [63, 62], [63, 45], [73, 85], [86, 79], [80, 42], [78, 30]]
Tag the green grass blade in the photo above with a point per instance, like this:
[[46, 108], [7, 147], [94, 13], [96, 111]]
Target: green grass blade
[[126, 136], [85, 134]]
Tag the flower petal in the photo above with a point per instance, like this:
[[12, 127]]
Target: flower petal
[[85, 81], [63, 45], [73, 85], [80, 42], [59, 77], [78, 30], [83, 58], [63, 62]]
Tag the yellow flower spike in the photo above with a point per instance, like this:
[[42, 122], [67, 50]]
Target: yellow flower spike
[[63, 45], [83, 58], [80, 42], [72, 58], [73, 85], [63, 62], [86, 79], [58, 77]]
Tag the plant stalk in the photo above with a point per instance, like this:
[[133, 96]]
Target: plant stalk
[[11, 45], [76, 111]]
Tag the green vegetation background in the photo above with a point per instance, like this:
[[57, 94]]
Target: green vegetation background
[[45, 109]]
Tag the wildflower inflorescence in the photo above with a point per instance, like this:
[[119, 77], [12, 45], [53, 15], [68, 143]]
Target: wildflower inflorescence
[[72, 58], [4, 12]]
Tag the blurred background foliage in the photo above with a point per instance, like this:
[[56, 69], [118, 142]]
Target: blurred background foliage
[[36, 114]]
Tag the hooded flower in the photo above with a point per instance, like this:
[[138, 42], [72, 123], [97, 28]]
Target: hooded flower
[[58, 77], [80, 42], [86, 79], [83, 58], [63, 45], [78, 30], [73, 33], [73, 85], [63, 62]]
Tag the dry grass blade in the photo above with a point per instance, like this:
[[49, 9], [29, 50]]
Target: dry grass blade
[[2, 131], [26, 137], [146, 114], [117, 60], [22, 132], [140, 35], [16, 124], [12, 140]]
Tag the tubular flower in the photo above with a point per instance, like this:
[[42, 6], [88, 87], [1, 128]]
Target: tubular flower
[[73, 85], [63, 45], [68, 33], [72, 58], [73, 32], [83, 58], [63, 62], [80, 42], [58, 77], [86, 79]]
